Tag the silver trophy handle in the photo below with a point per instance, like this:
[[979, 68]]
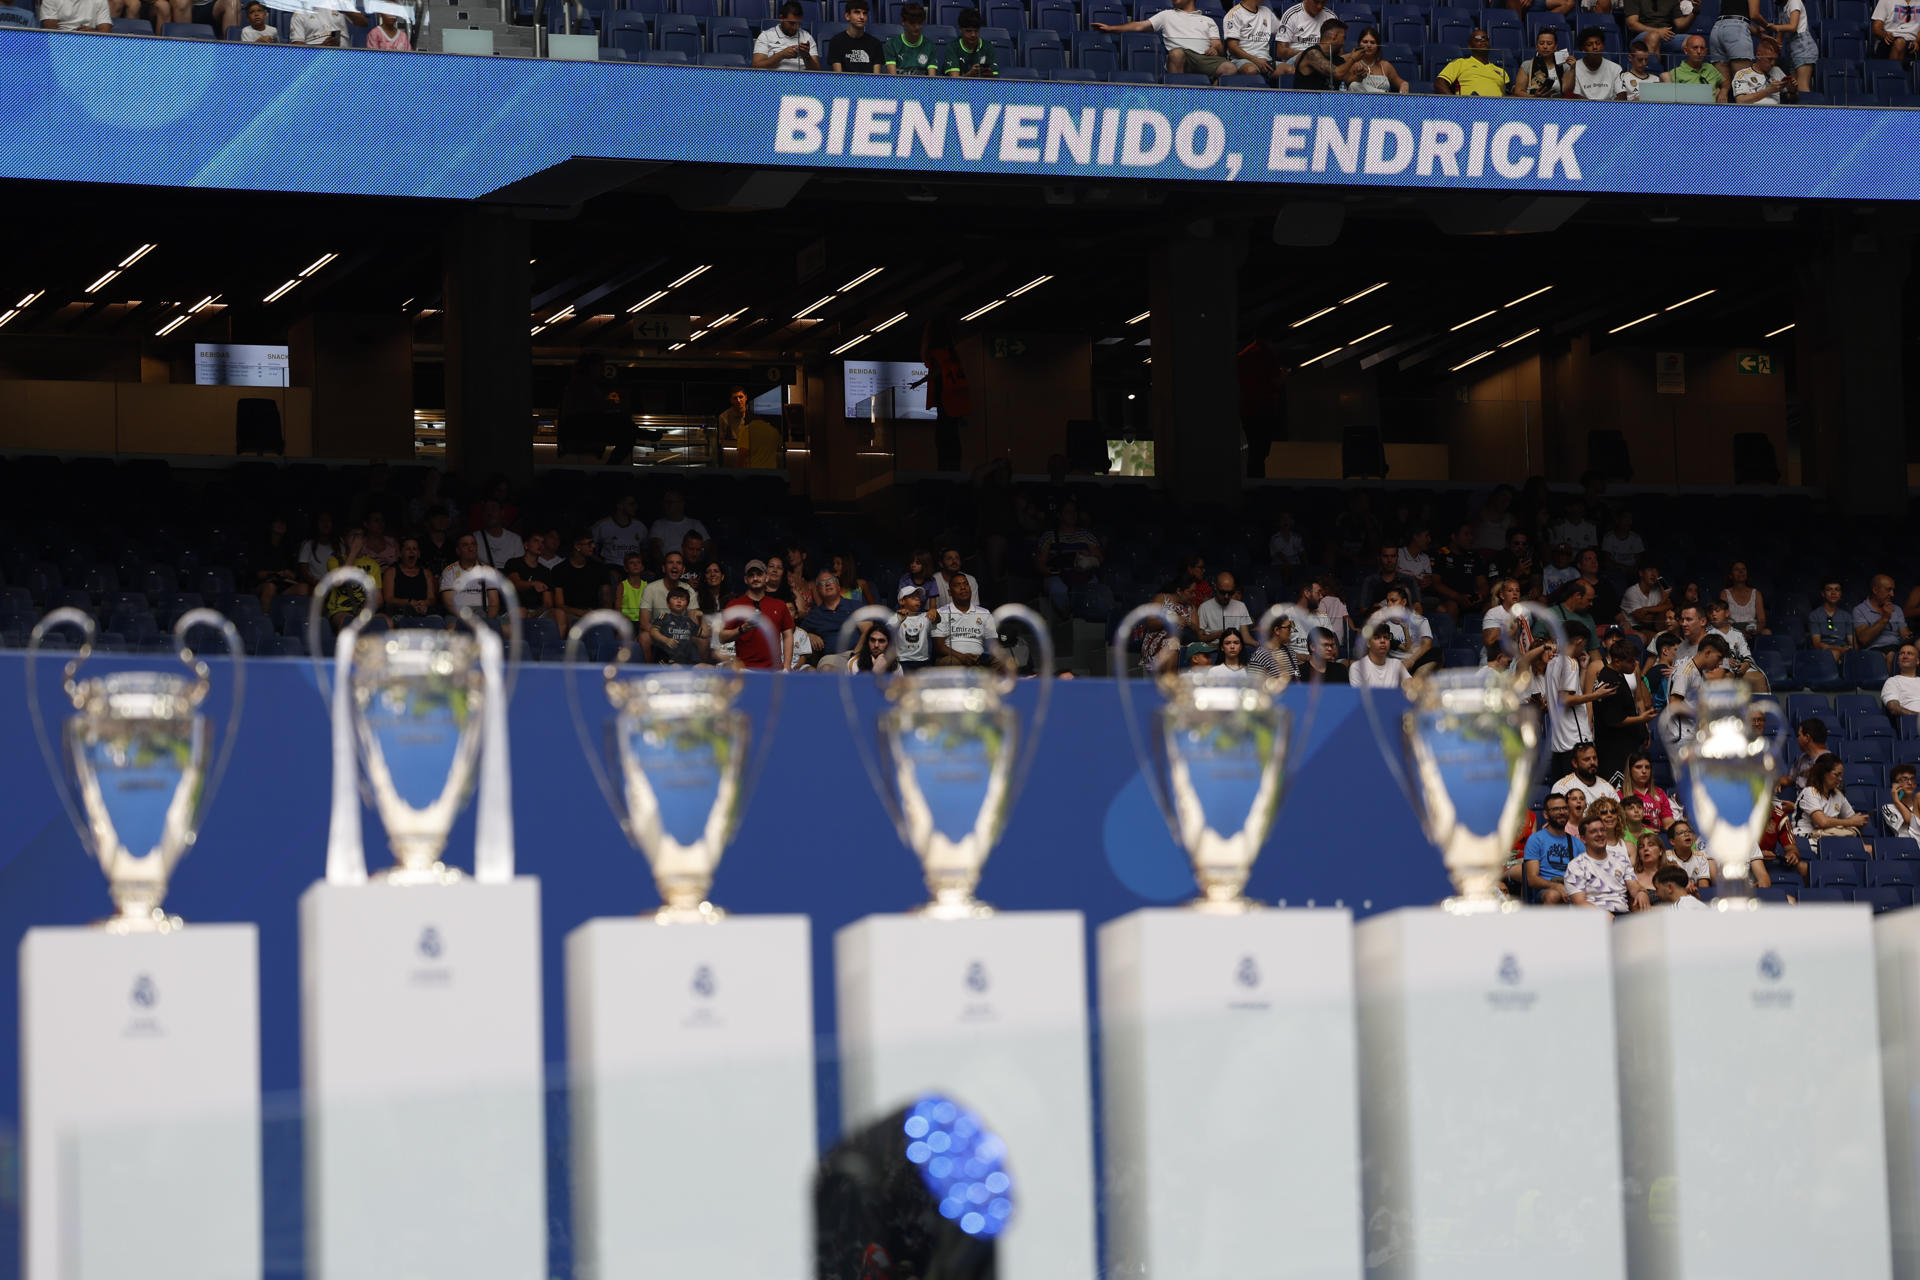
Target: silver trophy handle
[[316, 634], [862, 741], [236, 653], [622, 625], [476, 620], [61, 617], [1297, 734], [1124, 680], [1043, 669]]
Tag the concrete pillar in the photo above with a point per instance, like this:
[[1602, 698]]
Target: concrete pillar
[[1195, 296], [489, 345]]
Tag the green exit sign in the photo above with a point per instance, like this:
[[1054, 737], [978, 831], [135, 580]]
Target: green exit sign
[[1754, 362]]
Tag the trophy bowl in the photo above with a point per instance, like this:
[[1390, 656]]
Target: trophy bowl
[[953, 755], [1725, 760], [418, 698], [136, 766]]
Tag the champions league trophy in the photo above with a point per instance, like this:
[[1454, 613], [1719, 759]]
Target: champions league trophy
[[1725, 766]]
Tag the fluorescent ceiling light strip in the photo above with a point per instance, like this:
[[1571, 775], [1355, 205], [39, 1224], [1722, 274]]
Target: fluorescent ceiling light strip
[[537, 330], [8, 316], [1031, 284], [1695, 298], [1322, 356], [676, 346], [1476, 320], [1520, 338], [1376, 333], [727, 319], [690, 275], [1629, 324], [136, 255], [980, 311], [101, 283], [850, 344], [1523, 297], [1315, 316], [888, 324], [170, 326], [1363, 293], [1777, 332], [1142, 316], [812, 307], [30, 299], [318, 263], [647, 301], [1471, 359], [696, 335], [562, 314], [860, 279], [207, 301]]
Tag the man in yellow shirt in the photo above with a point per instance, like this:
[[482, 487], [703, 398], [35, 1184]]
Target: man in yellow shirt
[[756, 441], [1476, 75]]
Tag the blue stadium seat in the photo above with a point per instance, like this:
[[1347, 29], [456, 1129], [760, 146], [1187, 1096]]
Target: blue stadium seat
[[1243, 82], [1888, 898], [939, 35], [1110, 12], [1905, 750], [1865, 668], [1812, 706], [1844, 49], [1073, 73], [947, 13], [676, 56], [1096, 50], [1772, 642], [1853, 17], [1863, 799], [1778, 670], [1776, 893], [1039, 38], [1018, 73], [1864, 775], [1843, 848], [1875, 751], [1144, 9], [1189, 79], [1006, 14], [628, 33], [1830, 873], [1147, 77], [132, 27], [676, 31], [1827, 893], [1451, 28], [1852, 705], [1058, 16], [1538, 21], [1496, 19], [187, 30], [718, 26], [1409, 32], [15, 17], [289, 647], [1509, 40], [734, 46], [1045, 58], [1896, 848], [1815, 669], [724, 60], [699, 8], [1895, 871]]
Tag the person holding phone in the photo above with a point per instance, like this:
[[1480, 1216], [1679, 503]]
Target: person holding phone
[[1901, 815]]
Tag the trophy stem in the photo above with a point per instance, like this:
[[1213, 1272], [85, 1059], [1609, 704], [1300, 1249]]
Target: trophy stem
[[1223, 896], [138, 910], [410, 874], [1735, 891], [1477, 893], [954, 902], [685, 901]]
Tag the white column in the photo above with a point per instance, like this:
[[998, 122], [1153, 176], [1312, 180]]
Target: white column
[[140, 1101], [1231, 1095], [690, 1049], [424, 1080], [992, 1012]]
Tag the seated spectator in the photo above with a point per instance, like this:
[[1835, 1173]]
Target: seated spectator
[[669, 532], [1651, 23], [1901, 814], [1877, 626], [1595, 77], [1810, 738], [1658, 668], [854, 49], [1288, 550], [1275, 657], [1412, 635], [1548, 851], [1517, 562], [1067, 555], [1560, 569], [76, 15], [1709, 662], [1649, 857], [410, 589], [915, 628], [1900, 695], [710, 596], [1249, 29], [1315, 67], [969, 55], [1822, 808], [876, 654], [960, 630], [553, 548], [1670, 887], [1639, 72], [1460, 577], [1476, 76], [1606, 598], [1233, 652], [436, 543], [1896, 25], [950, 568], [499, 545], [317, 551], [653, 600], [852, 585], [275, 569], [829, 613], [1644, 605], [1192, 40], [1689, 857], [1504, 618], [1374, 587], [693, 553], [257, 31], [531, 582], [1778, 849], [1763, 84], [1416, 562], [1739, 652], [316, 26], [1365, 71], [1377, 668], [1633, 819], [1544, 74], [1574, 528], [910, 53], [1621, 548], [749, 646], [1323, 659], [631, 596], [1176, 599], [579, 583], [1225, 614], [785, 46], [1830, 625], [923, 576], [389, 35], [620, 535], [1584, 776], [1574, 603], [1601, 876], [344, 603], [1658, 809], [461, 588], [1299, 30], [674, 632], [1695, 69]]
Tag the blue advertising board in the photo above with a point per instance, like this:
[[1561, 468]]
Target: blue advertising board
[[176, 113]]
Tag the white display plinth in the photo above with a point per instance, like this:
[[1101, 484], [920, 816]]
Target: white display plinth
[[1490, 1116], [140, 1102], [1896, 937], [992, 1012], [690, 1049], [1231, 1095], [1750, 1093], [425, 1093]]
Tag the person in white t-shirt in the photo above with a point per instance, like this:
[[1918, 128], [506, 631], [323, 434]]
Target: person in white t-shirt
[[1900, 695], [1192, 40], [1504, 617], [461, 586], [75, 15], [1377, 668], [1249, 29], [915, 628], [1223, 611], [960, 630], [1644, 604], [669, 532], [1601, 876], [1638, 73], [1762, 84], [1286, 547], [1901, 814], [1584, 776], [786, 46], [1597, 79], [1823, 808], [1574, 528], [1412, 634], [1300, 26], [1670, 886], [323, 26], [1622, 546], [620, 535], [1570, 695], [1897, 24]]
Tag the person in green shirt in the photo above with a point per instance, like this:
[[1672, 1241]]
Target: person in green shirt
[[910, 53], [1697, 70], [969, 55]]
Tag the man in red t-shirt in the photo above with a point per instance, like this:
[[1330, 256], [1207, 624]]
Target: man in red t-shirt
[[749, 647]]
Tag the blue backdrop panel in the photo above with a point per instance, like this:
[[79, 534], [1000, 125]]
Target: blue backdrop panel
[[181, 113], [1085, 836]]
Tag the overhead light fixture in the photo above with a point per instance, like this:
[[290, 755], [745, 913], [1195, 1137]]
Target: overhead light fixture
[[282, 291], [1777, 332], [723, 321], [1523, 297], [1031, 284], [5, 317], [812, 307], [207, 301], [562, 314], [1376, 333], [136, 255], [1322, 356], [676, 346], [697, 271], [861, 279], [1142, 316], [30, 299], [1148, 360], [318, 263], [537, 330], [888, 324], [170, 326], [977, 312], [1695, 298], [1363, 293], [647, 301], [103, 281], [1470, 360], [1629, 324], [696, 335], [1518, 338], [1476, 320], [849, 344], [1315, 316]]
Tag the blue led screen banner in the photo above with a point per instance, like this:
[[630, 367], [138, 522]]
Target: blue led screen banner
[[176, 113]]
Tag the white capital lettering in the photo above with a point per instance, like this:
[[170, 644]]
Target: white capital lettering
[[1076, 136], [837, 128], [1477, 149], [1440, 143], [974, 140], [1135, 150], [1194, 152], [797, 132], [872, 123], [1379, 134], [1020, 135], [916, 127], [1504, 137], [1556, 151], [1328, 140], [1286, 151]]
